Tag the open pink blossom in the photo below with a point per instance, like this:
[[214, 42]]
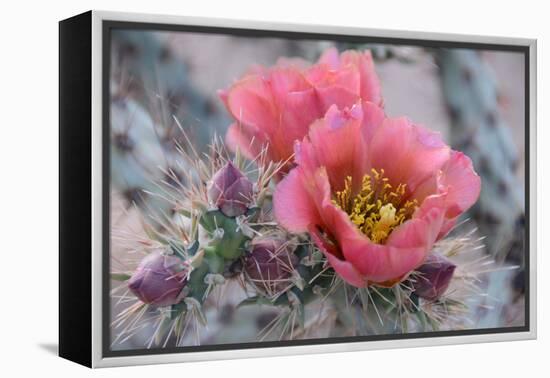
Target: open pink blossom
[[273, 107], [374, 193]]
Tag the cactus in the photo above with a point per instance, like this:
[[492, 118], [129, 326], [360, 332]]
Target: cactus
[[282, 276], [246, 278], [151, 97], [478, 129], [147, 70]]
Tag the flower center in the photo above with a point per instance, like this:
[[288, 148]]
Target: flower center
[[378, 208]]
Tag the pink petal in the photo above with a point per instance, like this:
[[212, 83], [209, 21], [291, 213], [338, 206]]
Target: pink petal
[[346, 270], [331, 58], [248, 145], [447, 226], [286, 80], [431, 185], [320, 191], [461, 186], [370, 84], [422, 230], [380, 263], [298, 111], [416, 153], [340, 87], [336, 143], [347, 78], [336, 95], [250, 102], [335, 87], [293, 204], [373, 117], [464, 185]]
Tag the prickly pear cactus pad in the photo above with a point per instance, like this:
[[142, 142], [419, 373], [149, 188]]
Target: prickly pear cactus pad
[[285, 189]]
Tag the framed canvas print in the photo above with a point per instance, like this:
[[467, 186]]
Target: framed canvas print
[[234, 189]]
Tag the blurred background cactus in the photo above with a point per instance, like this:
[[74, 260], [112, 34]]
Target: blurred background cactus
[[476, 104], [478, 128], [168, 185]]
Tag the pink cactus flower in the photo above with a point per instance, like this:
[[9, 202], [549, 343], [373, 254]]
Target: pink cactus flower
[[273, 107], [374, 193]]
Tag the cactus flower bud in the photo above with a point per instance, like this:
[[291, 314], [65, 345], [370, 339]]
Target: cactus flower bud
[[270, 262], [434, 277], [159, 279], [230, 190]]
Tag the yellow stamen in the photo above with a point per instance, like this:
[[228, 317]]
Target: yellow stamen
[[376, 208]]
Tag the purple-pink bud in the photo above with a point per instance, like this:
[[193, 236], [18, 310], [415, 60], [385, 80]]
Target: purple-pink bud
[[434, 277], [159, 279], [230, 190], [270, 262]]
